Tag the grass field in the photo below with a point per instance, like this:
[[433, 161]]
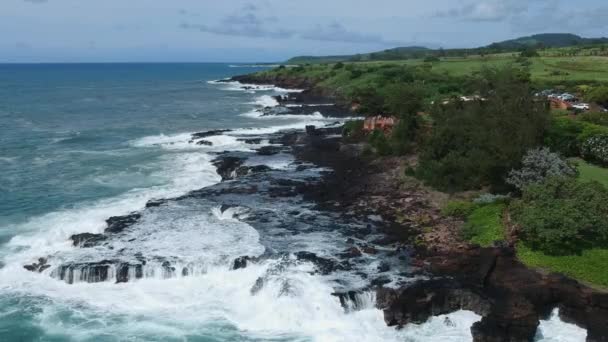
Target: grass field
[[590, 172], [589, 267], [543, 69], [484, 225]]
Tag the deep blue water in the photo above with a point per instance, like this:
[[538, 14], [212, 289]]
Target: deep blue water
[[66, 128]]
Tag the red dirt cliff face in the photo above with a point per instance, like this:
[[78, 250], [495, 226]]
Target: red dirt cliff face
[[383, 123]]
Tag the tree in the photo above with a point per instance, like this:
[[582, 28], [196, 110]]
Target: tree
[[474, 144], [563, 216], [529, 52], [599, 95], [370, 100], [404, 101]]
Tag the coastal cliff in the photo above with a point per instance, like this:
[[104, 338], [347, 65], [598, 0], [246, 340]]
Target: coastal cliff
[[510, 297]]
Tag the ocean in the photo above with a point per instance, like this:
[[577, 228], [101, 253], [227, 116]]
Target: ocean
[[81, 143]]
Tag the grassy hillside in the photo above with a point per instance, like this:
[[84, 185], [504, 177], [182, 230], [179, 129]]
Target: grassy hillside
[[447, 76], [549, 44], [555, 40]]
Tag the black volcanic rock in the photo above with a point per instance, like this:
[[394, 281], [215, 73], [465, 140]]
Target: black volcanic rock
[[227, 165], [39, 266], [87, 239], [269, 150], [240, 262], [204, 142], [207, 134], [325, 266], [117, 224]]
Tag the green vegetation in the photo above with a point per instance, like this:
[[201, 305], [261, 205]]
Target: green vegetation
[[479, 142], [589, 266], [353, 129], [563, 216], [553, 44], [599, 95], [484, 225], [475, 144], [460, 209], [567, 136], [592, 173]]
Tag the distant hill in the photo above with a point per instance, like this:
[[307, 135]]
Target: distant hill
[[546, 40], [395, 53]]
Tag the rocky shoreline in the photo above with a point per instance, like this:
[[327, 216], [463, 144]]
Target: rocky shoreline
[[510, 297]]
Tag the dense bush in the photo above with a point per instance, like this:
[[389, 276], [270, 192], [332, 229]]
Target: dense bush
[[595, 118], [460, 209], [562, 136], [599, 95], [563, 216], [537, 165], [529, 52], [353, 128], [566, 135], [596, 149], [491, 199], [370, 99], [381, 144], [477, 143]]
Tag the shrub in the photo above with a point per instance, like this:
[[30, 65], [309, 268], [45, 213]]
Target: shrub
[[596, 149], [431, 59], [599, 95], [562, 136], [380, 143], [460, 209], [563, 216], [529, 52], [566, 135], [353, 128], [484, 225], [595, 118], [537, 165], [491, 199], [338, 65]]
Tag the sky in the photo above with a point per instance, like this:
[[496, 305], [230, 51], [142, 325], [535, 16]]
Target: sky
[[272, 30]]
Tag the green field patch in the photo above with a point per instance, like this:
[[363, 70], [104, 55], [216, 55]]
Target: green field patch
[[484, 225], [589, 266], [589, 172]]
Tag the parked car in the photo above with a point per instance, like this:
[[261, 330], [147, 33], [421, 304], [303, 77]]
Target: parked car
[[581, 106], [567, 97]]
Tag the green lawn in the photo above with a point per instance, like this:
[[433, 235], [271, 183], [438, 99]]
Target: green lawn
[[590, 172], [484, 225], [589, 267]]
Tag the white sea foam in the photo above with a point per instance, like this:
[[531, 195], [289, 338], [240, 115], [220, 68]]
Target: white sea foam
[[266, 101], [251, 88], [50, 233], [555, 330]]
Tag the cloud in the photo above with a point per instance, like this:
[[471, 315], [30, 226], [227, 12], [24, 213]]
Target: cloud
[[553, 16], [245, 23], [486, 10], [336, 32], [251, 21]]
